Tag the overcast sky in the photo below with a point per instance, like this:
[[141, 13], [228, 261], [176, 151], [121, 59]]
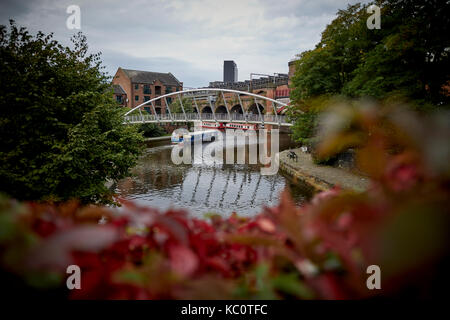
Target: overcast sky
[[189, 38]]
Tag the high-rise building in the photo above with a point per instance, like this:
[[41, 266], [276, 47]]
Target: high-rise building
[[230, 71]]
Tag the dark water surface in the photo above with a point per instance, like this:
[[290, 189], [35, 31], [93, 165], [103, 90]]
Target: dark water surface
[[205, 188]]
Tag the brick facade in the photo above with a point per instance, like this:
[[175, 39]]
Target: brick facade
[[119, 95], [141, 86]]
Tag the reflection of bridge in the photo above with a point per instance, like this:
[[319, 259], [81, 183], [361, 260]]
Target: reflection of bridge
[[207, 98], [213, 185], [188, 189]]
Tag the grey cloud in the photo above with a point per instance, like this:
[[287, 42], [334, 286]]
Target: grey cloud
[[182, 70], [13, 9], [188, 38]]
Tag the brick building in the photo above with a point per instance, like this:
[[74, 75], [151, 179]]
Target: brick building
[[119, 94], [141, 86], [292, 65]]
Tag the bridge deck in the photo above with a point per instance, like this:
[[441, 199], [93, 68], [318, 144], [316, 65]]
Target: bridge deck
[[209, 117]]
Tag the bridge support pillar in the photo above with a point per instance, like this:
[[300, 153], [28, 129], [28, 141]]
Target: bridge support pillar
[[182, 108], [168, 109], [198, 111], [212, 109], [259, 111], [226, 107], [242, 107]]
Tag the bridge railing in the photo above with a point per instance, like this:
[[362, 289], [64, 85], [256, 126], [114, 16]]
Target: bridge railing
[[180, 117]]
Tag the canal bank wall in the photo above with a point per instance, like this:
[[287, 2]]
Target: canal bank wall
[[319, 177], [162, 138]]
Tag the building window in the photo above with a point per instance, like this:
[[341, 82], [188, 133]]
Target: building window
[[136, 87], [169, 100], [168, 90], [136, 98], [147, 109], [119, 99], [157, 90], [158, 102], [146, 98], [147, 89]]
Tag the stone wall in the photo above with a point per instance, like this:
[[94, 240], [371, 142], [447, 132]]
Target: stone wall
[[320, 177]]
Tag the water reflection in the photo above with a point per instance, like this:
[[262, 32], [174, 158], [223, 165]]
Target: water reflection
[[202, 188]]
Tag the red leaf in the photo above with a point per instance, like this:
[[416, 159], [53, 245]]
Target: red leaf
[[183, 260]]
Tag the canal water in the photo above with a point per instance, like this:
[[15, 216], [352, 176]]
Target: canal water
[[206, 188]]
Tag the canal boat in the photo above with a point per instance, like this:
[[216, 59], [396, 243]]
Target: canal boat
[[241, 126], [205, 136], [177, 137], [212, 125], [229, 125]]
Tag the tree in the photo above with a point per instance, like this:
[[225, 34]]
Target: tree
[[62, 133], [304, 127], [409, 56], [150, 130], [407, 59], [175, 107], [412, 58], [304, 117], [326, 69], [316, 73]]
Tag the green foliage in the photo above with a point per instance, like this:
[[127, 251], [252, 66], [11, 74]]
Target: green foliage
[[408, 57], [175, 107], [304, 117], [304, 127], [150, 130], [406, 60], [329, 66], [316, 73], [62, 132], [188, 107]]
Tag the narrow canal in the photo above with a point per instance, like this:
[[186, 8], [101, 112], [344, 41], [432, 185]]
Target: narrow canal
[[205, 188]]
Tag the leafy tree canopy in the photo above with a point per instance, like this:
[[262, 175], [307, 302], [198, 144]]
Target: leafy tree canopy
[[407, 59], [62, 132], [409, 56], [175, 106]]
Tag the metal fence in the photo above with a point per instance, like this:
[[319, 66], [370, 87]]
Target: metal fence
[[221, 117]]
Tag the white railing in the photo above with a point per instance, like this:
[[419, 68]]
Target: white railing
[[222, 117]]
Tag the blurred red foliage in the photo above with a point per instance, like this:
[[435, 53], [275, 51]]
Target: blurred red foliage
[[318, 251]]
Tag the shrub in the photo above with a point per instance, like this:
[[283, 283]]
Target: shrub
[[304, 128], [62, 132]]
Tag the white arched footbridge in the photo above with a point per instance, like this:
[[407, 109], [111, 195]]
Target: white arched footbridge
[[208, 93]]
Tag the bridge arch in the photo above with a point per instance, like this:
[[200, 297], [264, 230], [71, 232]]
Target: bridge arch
[[221, 109], [254, 108], [236, 109], [206, 109]]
